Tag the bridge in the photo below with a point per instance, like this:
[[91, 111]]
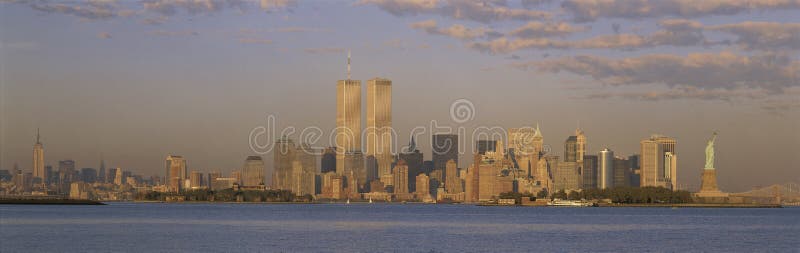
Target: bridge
[[788, 193]]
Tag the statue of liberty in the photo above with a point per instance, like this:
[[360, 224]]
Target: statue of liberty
[[710, 152]]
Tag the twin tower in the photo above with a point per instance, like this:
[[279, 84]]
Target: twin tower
[[378, 133]]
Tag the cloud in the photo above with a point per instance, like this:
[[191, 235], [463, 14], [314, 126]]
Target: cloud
[[611, 41], [455, 31], [773, 72], [540, 29], [301, 30], [672, 32], [271, 5], [763, 35], [255, 41], [324, 50], [155, 21], [683, 93], [173, 33], [591, 10], [90, 10], [172, 7], [485, 12], [104, 35]]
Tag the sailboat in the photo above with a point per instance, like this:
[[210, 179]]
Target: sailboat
[[370, 200], [348, 201]]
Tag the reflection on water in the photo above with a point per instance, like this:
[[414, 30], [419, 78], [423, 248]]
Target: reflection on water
[[382, 227]]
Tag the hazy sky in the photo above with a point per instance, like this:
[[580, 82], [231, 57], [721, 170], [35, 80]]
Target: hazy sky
[[134, 81]]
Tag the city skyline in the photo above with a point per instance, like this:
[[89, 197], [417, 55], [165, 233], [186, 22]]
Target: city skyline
[[97, 110]]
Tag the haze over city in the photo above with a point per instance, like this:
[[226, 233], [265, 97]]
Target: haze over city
[[134, 81]]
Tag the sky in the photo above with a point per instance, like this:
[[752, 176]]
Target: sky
[[133, 81]]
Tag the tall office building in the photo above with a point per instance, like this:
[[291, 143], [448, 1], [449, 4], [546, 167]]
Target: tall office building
[[101, 174], [348, 121], [67, 173], [307, 157], [414, 160], [401, 177], [483, 146], [452, 182], [605, 169], [175, 167], [622, 172], [253, 171], [522, 148], [658, 162], [328, 163], [589, 172], [283, 156], [195, 180], [379, 123], [635, 171], [580, 145], [444, 148], [38, 161], [88, 175], [302, 179]]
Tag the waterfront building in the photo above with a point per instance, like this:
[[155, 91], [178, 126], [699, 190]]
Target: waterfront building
[[444, 148], [567, 177], [589, 172], [88, 175], [379, 124], [414, 160], [253, 172], [328, 162], [400, 178], [38, 161], [422, 186], [484, 146], [452, 182], [605, 169], [303, 179], [283, 156], [175, 173], [622, 172], [222, 183], [196, 180], [658, 162], [348, 122]]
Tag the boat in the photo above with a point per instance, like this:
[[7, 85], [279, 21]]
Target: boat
[[370, 200], [348, 201], [570, 203]]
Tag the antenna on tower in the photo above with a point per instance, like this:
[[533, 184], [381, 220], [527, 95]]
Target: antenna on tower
[[37, 135], [348, 64]]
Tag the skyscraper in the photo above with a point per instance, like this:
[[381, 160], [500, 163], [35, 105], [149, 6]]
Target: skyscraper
[[622, 171], [580, 145], [589, 172], [101, 174], [379, 123], [522, 149], [414, 160], [401, 178], [452, 183], [444, 148], [483, 146], [253, 171], [605, 169], [658, 162], [175, 167], [283, 156], [328, 163], [38, 161], [348, 121], [571, 149]]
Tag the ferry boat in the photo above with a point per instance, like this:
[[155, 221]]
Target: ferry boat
[[570, 203]]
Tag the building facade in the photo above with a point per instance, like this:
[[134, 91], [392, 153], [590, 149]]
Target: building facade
[[379, 124]]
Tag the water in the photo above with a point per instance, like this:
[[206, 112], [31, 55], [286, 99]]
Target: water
[[138, 227]]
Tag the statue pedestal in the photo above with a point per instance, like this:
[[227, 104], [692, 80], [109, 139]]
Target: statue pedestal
[[708, 185]]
